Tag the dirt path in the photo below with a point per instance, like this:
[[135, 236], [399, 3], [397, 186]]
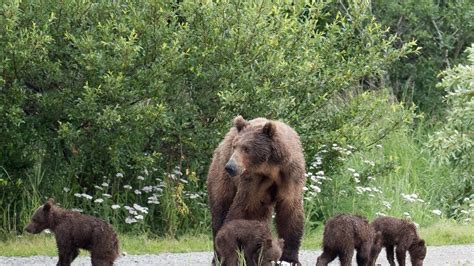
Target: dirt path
[[444, 255]]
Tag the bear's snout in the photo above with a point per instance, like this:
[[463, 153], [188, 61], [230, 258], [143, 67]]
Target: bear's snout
[[231, 169], [29, 229]]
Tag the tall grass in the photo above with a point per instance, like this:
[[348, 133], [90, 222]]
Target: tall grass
[[395, 177]]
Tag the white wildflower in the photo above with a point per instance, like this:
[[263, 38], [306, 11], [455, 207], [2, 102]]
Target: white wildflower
[[356, 174], [130, 220], [138, 192], [105, 184], [105, 195], [119, 175], [380, 214], [305, 189], [194, 196], [315, 188], [357, 180], [47, 231], [66, 189], [79, 195], [379, 146], [464, 211], [437, 212], [140, 177], [371, 163], [140, 208], [147, 189], [183, 180], [84, 195], [406, 214], [115, 206], [139, 217], [320, 173], [99, 200], [153, 199], [127, 187], [97, 187], [76, 210], [387, 204], [351, 170]]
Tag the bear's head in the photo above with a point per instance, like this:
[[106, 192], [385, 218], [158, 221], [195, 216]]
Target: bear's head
[[41, 218], [417, 252], [272, 251], [253, 148]]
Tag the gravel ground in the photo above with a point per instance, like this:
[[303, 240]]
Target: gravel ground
[[445, 255]]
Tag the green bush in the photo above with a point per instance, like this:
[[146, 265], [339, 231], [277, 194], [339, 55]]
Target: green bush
[[442, 29], [453, 143], [121, 103]]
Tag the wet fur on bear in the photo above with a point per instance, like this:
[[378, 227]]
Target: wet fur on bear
[[253, 238], [401, 234], [74, 230], [270, 153], [342, 234]]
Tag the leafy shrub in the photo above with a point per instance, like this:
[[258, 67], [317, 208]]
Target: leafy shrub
[[452, 144], [104, 92]]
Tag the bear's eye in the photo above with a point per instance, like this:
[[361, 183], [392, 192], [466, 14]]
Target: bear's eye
[[246, 149]]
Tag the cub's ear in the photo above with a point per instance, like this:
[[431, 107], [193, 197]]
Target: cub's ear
[[240, 123], [281, 243], [47, 206], [421, 243], [269, 129]]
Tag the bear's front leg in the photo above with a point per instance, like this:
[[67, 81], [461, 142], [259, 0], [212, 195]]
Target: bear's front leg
[[66, 254], [290, 225]]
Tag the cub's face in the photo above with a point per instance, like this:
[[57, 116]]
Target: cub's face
[[274, 250], [418, 253], [39, 220]]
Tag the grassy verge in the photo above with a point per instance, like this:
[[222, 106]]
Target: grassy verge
[[441, 233]]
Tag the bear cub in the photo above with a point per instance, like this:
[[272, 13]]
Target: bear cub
[[253, 238], [74, 230], [401, 234], [342, 234]]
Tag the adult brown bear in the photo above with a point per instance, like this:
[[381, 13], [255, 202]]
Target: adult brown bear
[[269, 152]]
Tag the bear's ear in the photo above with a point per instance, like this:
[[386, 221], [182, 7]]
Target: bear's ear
[[240, 123], [281, 243], [421, 243], [47, 206], [269, 129]]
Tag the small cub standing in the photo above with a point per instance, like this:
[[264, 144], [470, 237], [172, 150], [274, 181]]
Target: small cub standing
[[253, 237], [74, 230], [403, 235], [342, 234]]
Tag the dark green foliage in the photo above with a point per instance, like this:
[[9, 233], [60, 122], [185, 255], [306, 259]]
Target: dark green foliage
[[442, 29], [96, 96]]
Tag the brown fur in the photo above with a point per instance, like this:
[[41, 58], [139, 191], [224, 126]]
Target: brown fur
[[270, 153], [253, 238], [402, 235], [74, 230], [342, 234]]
